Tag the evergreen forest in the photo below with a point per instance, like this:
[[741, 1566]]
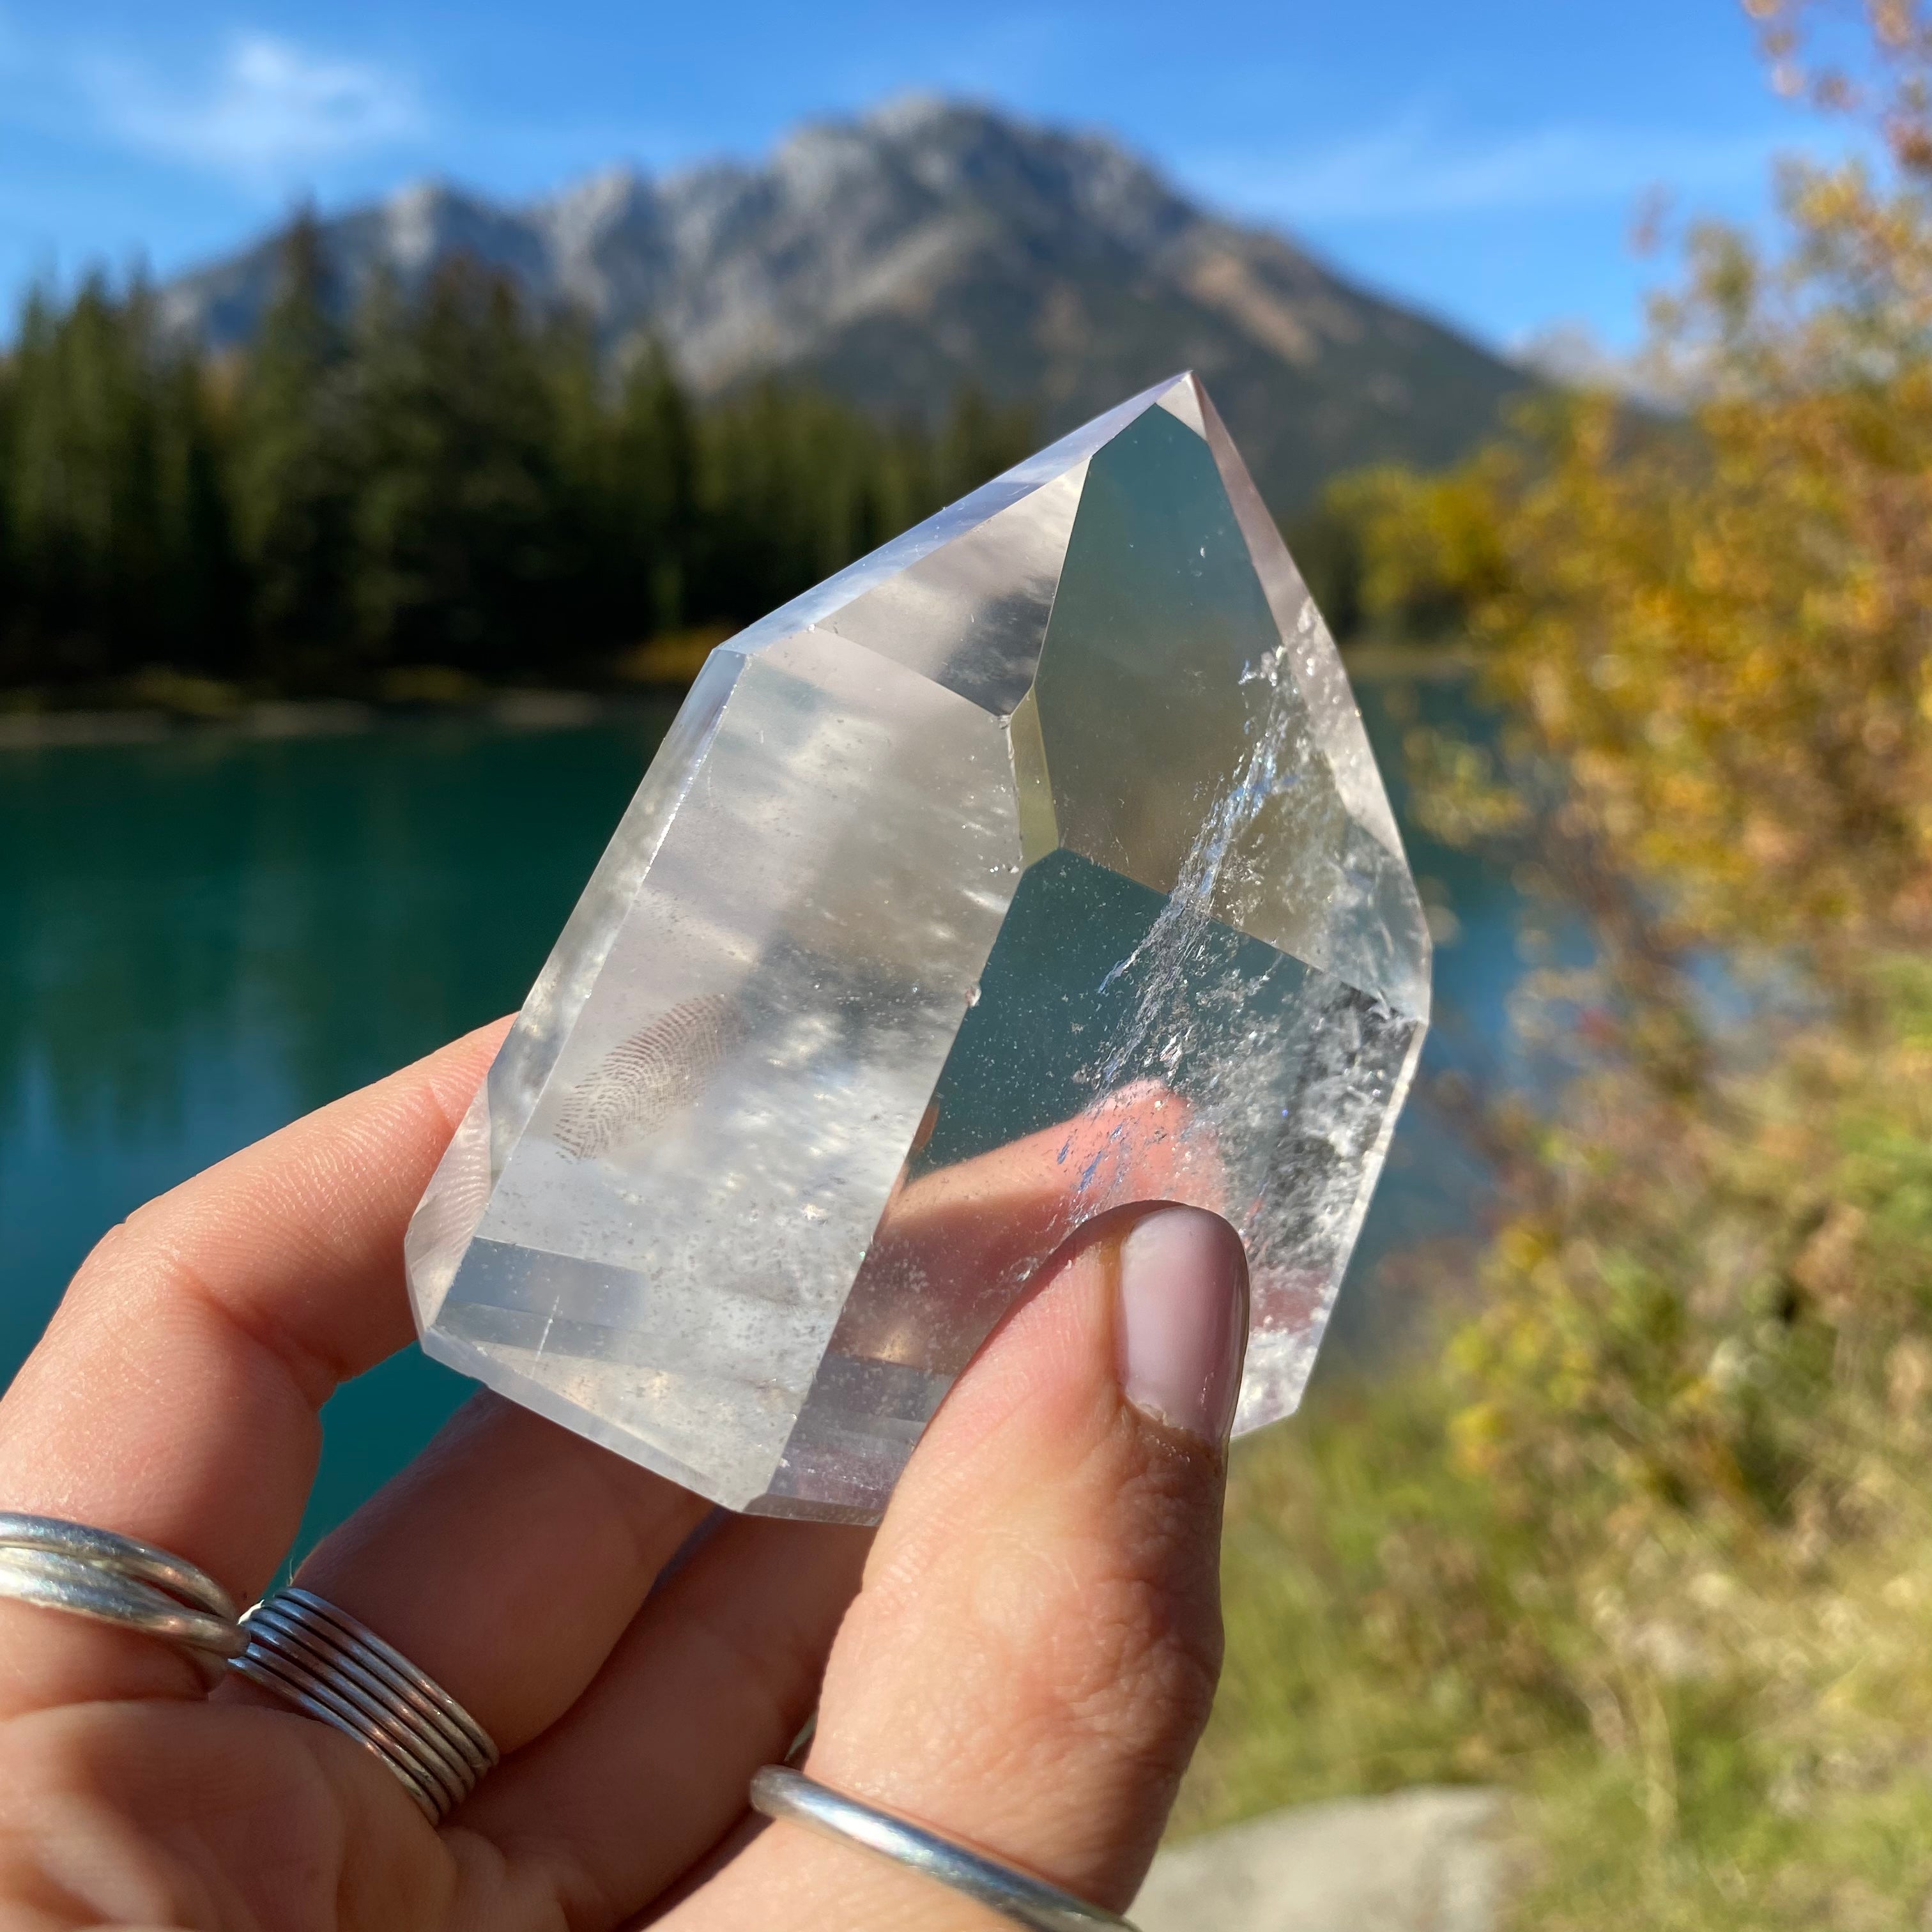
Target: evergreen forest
[[433, 492]]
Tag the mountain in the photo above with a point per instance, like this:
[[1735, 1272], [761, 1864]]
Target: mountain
[[931, 243]]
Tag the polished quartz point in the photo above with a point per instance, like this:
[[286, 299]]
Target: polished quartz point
[[1036, 864]]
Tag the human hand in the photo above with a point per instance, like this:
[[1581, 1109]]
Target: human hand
[[1025, 1665]]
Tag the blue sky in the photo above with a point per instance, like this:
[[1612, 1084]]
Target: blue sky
[[1482, 157]]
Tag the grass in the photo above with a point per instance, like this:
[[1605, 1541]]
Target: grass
[[1757, 1752]]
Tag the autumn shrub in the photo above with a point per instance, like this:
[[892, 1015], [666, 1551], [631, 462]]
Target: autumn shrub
[[1648, 1538]]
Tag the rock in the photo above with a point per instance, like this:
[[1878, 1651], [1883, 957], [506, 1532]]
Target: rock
[[1429, 1860]]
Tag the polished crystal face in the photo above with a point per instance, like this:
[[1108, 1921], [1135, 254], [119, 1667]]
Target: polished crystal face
[[1037, 864]]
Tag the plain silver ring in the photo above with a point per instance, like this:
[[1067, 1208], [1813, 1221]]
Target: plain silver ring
[[779, 1791], [329, 1666], [86, 1572], [125, 1556]]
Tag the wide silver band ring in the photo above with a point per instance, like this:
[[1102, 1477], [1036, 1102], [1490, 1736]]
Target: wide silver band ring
[[117, 1580], [779, 1791], [321, 1660]]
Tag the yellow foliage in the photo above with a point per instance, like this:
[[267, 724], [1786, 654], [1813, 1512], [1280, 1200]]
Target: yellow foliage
[[675, 657], [1716, 632], [1710, 624]]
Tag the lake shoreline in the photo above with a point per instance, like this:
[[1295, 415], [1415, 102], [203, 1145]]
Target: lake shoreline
[[513, 707], [275, 719]]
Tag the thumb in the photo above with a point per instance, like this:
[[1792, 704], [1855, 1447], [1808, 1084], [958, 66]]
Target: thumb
[[1034, 1652]]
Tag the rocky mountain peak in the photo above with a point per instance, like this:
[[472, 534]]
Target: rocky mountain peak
[[932, 242]]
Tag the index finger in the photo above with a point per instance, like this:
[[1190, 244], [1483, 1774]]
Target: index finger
[[175, 1395]]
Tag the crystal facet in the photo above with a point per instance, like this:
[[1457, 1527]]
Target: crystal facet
[[1036, 864]]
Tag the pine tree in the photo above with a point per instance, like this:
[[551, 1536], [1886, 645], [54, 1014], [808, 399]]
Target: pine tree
[[794, 486], [293, 475], [979, 440], [200, 590], [461, 533], [83, 487], [650, 532]]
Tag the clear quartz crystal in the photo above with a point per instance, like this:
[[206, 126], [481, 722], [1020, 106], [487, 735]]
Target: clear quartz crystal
[[1036, 864]]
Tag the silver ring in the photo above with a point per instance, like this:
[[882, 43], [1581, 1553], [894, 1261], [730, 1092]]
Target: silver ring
[[321, 1660], [779, 1791], [116, 1579]]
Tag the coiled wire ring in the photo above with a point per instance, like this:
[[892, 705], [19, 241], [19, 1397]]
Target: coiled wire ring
[[779, 1791], [321, 1660], [117, 1580], [307, 1652]]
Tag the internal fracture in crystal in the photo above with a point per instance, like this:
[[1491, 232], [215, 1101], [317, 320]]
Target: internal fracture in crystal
[[1036, 864]]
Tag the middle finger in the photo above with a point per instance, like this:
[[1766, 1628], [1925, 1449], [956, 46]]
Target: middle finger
[[506, 1561]]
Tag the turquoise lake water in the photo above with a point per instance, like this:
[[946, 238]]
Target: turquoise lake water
[[203, 937]]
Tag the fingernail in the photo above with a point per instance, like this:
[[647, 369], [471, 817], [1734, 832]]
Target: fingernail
[[1183, 1320]]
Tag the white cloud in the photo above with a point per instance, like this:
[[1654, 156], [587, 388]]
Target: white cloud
[[1410, 167], [269, 106]]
